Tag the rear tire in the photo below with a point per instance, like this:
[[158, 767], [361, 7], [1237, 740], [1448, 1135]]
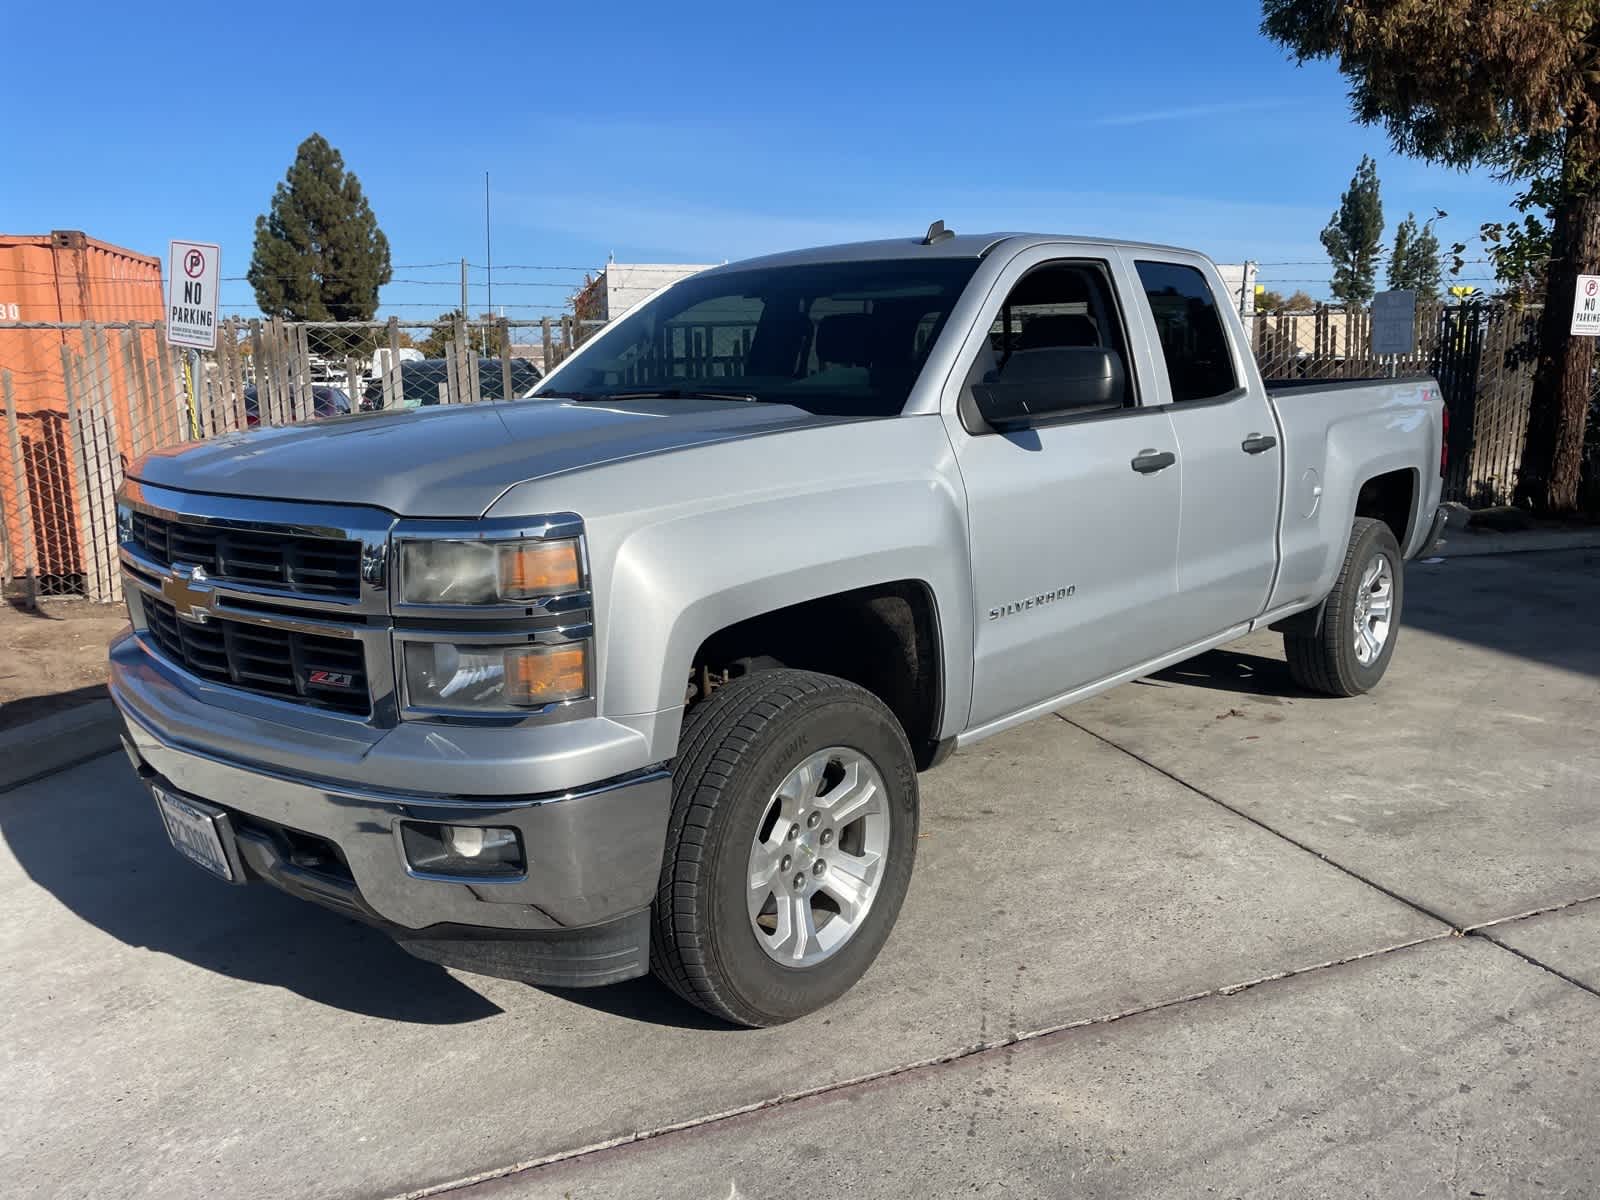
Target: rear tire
[[754, 848], [1360, 620]]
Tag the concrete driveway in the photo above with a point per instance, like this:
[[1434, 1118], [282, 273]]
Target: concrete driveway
[[1204, 935]]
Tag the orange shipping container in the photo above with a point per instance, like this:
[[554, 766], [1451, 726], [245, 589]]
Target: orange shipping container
[[65, 278]]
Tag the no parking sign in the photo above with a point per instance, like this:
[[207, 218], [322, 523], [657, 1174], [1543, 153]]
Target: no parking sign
[[1586, 307], [192, 294]]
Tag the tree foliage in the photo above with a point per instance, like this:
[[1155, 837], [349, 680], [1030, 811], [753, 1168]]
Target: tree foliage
[[1299, 300], [1414, 263], [1520, 250], [319, 254], [488, 341], [1509, 84], [1353, 236], [437, 343]]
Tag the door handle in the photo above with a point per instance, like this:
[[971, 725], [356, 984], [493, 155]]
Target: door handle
[[1258, 444], [1148, 462]]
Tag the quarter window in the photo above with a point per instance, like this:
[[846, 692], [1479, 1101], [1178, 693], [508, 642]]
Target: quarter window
[[1199, 365]]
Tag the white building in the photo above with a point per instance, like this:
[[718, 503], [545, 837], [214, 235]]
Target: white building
[[1240, 280], [622, 285]]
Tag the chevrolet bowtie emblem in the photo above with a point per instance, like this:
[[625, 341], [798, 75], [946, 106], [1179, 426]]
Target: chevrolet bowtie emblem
[[188, 590]]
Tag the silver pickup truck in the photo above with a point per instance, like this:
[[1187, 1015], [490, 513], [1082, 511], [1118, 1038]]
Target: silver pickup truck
[[640, 673]]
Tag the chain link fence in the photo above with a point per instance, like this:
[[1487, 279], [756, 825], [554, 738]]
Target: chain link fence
[[82, 402]]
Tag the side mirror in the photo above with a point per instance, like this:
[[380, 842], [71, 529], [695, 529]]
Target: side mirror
[[1036, 385]]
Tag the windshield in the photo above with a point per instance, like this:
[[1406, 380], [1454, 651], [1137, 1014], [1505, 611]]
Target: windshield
[[841, 339]]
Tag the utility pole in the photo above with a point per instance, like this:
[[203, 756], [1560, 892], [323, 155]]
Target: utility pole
[[463, 289]]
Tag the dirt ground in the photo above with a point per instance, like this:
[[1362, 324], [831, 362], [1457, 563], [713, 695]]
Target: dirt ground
[[55, 658]]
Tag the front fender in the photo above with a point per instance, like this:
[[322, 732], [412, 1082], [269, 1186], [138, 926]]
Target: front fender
[[675, 583], [686, 543]]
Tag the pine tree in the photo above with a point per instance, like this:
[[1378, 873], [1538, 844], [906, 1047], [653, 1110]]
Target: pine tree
[[1507, 84], [1353, 235], [1414, 262], [319, 254]]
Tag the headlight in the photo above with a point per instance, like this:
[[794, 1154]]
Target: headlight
[[478, 678], [483, 572]]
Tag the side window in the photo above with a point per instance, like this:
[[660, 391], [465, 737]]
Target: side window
[[1199, 365], [1056, 346]]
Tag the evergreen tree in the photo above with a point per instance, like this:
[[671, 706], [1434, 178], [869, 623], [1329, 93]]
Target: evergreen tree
[[319, 254], [1414, 262], [1353, 235], [1507, 84]]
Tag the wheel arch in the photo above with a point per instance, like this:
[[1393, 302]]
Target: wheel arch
[[677, 585]]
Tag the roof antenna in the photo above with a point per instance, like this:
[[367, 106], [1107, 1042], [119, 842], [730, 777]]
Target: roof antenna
[[937, 233]]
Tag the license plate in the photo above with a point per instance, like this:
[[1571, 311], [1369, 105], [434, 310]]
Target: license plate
[[196, 831]]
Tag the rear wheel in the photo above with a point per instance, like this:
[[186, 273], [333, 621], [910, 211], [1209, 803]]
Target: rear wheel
[[790, 847], [1360, 621]]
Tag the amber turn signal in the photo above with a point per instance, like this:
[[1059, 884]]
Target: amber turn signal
[[529, 569], [547, 674]]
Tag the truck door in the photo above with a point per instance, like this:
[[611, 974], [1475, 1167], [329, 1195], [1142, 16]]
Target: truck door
[[1073, 517], [1227, 443]]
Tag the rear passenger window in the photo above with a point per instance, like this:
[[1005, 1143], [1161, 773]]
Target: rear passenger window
[[1199, 365]]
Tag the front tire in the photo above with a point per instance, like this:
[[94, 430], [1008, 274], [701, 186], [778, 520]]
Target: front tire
[[790, 847], [1360, 621]]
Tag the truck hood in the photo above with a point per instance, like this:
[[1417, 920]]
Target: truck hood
[[452, 460]]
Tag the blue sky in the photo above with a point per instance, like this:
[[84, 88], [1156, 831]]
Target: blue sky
[[695, 133]]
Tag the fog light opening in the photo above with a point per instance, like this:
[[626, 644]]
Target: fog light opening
[[473, 850]]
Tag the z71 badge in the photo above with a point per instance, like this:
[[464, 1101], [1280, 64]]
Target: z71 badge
[[1008, 610]]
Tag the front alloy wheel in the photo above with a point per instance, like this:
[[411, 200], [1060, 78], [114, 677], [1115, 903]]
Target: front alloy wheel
[[789, 850], [816, 861]]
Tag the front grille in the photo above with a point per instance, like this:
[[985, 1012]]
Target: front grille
[[291, 562], [322, 671]]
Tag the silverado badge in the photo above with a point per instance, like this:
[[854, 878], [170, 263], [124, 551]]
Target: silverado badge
[[1006, 610]]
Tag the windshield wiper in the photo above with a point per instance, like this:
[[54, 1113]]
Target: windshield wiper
[[671, 394]]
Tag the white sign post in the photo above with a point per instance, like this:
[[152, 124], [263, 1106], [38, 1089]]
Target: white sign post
[[192, 294], [1586, 307], [1394, 323]]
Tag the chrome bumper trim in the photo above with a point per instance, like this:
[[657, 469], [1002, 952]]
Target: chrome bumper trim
[[594, 853]]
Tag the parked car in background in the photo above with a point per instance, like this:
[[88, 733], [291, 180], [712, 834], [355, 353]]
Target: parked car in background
[[420, 382], [642, 677], [325, 402]]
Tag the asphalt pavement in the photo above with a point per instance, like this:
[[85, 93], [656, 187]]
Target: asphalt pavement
[[1206, 934]]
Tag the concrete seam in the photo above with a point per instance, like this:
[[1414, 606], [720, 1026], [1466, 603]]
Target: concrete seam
[[1532, 961], [1026, 1038], [1417, 905], [1532, 912]]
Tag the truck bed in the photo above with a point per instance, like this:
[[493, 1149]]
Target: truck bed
[[1276, 386]]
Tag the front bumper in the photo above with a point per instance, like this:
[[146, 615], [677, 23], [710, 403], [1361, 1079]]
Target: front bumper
[[594, 852]]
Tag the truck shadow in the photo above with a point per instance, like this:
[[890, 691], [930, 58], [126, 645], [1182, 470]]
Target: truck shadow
[[643, 1000], [101, 852], [1536, 606], [1230, 670]]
